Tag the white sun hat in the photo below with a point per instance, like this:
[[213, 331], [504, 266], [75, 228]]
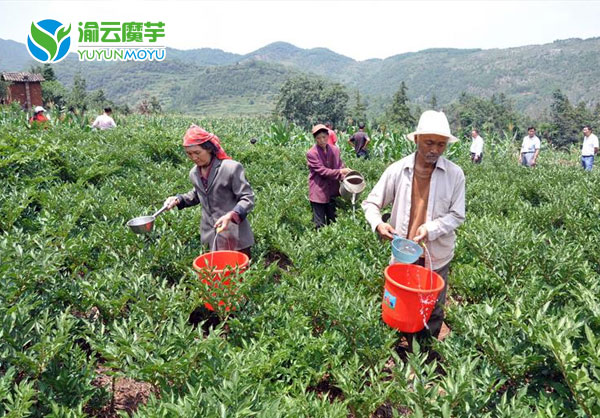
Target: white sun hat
[[39, 109], [432, 122]]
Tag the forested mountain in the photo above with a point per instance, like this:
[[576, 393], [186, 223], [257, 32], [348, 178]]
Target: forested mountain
[[215, 81]]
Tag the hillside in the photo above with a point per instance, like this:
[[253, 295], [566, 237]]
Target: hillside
[[211, 79], [249, 87]]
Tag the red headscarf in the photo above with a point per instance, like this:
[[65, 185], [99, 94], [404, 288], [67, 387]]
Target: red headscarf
[[195, 135]]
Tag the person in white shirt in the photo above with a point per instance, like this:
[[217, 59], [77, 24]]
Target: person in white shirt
[[104, 121], [427, 194], [476, 147], [530, 149], [589, 148]]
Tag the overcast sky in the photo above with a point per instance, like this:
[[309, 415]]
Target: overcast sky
[[358, 29]]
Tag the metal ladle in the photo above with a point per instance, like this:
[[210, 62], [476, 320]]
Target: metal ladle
[[144, 224]]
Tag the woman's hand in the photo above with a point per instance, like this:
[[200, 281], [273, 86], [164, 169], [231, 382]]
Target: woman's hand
[[385, 231], [223, 222], [345, 171], [171, 202]]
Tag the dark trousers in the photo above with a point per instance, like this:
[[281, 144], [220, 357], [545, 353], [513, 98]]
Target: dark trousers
[[473, 158], [246, 251], [323, 213], [437, 316], [363, 153]]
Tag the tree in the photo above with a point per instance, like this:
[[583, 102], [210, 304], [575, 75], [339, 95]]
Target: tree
[[567, 120], [97, 99], [3, 90], [307, 100], [471, 112], [77, 98], [359, 111], [399, 111], [53, 92], [45, 70], [155, 106], [149, 106], [334, 103], [433, 102]]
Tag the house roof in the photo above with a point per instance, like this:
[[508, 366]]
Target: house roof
[[22, 77]]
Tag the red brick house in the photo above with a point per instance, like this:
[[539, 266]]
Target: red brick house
[[25, 88]]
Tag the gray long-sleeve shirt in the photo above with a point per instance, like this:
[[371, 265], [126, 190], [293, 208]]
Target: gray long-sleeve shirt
[[228, 190], [445, 207]]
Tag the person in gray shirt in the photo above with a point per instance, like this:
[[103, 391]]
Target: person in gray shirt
[[220, 186]]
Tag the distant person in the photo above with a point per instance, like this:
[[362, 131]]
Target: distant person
[[589, 148], [427, 194], [530, 149], [325, 172], [476, 147], [104, 121], [360, 141], [332, 140], [39, 118]]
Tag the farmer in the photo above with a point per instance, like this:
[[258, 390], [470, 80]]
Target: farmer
[[589, 148], [476, 147], [332, 140], [38, 117], [360, 140], [105, 120], [220, 186], [325, 172], [530, 149], [427, 194]]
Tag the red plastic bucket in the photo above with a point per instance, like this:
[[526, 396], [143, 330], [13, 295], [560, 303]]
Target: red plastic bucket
[[409, 296], [218, 270]]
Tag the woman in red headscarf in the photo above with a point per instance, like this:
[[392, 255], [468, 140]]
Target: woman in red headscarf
[[220, 186]]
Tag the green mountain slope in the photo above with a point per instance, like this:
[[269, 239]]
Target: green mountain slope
[[210, 80], [14, 56], [248, 87]]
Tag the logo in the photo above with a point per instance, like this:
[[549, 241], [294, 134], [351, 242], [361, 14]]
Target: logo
[[389, 299], [48, 41], [121, 41]]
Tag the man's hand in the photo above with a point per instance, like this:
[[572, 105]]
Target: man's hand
[[421, 234], [171, 202], [345, 171], [385, 231]]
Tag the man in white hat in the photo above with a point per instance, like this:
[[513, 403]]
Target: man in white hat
[[427, 194]]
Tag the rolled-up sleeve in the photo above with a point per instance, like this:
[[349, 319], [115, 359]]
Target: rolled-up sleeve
[[382, 195], [455, 215]]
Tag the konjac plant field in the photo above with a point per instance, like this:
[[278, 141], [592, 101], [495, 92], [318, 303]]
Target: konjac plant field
[[98, 321]]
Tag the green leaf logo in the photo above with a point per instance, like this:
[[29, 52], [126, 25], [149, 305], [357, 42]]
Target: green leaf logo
[[49, 40], [44, 40], [62, 33]]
